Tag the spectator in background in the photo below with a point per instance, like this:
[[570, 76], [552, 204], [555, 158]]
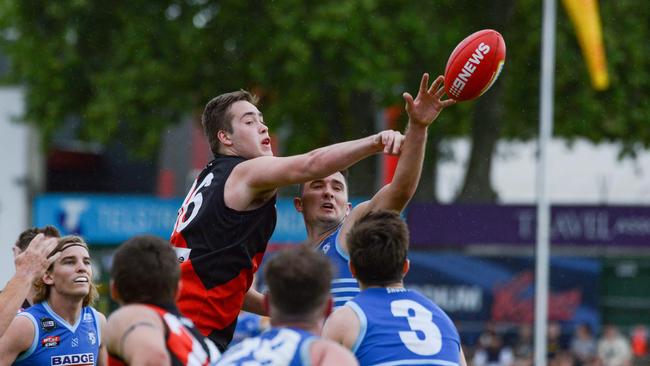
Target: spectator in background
[[613, 348], [492, 352], [583, 345], [555, 343], [523, 346]]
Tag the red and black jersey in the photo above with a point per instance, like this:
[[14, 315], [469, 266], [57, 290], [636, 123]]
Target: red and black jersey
[[219, 249], [186, 346]]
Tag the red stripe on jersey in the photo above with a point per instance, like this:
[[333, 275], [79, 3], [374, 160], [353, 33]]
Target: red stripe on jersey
[[178, 240], [214, 308]]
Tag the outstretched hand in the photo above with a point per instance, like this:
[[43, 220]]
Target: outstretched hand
[[390, 141], [34, 261], [428, 104]]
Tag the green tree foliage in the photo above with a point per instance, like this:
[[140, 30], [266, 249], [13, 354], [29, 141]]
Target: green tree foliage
[[128, 70]]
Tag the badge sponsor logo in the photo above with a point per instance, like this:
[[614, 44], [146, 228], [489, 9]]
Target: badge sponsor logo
[[50, 341], [79, 359]]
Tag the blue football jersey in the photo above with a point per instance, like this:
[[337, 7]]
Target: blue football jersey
[[344, 286], [277, 347], [58, 343], [402, 327]]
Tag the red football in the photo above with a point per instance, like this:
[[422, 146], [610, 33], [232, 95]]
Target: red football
[[474, 65]]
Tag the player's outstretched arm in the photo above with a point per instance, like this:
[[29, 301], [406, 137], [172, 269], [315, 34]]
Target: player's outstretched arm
[[137, 334], [254, 178], [254, 302], [102, 358], [30, 265], [422, 111]]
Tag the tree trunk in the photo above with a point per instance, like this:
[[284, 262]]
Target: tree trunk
[[486, 124]]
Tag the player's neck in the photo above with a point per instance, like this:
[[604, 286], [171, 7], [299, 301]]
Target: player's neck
[[313, 327], [399, 284], [68, 308], [318, 232]]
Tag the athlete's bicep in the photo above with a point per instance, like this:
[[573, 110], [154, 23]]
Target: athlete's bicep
[[270, 172], [17, 339]]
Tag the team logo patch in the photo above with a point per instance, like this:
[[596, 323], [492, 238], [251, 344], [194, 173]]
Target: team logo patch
[[50, 341], [88, 317], [326, 248], [79, 359], [48, 324], [92, 338]]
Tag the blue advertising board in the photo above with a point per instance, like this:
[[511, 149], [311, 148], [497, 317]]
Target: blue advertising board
[[112, 219]]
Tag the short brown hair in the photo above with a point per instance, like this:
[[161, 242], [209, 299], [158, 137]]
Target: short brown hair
[[216, 115], [299, 281], [344, 173], [28, 235], [378, 244], [43, 290], [146, 270]]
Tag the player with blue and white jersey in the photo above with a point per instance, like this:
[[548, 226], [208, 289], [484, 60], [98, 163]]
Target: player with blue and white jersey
[[298, 301], [60, 328], [387, 324], [324, 204]]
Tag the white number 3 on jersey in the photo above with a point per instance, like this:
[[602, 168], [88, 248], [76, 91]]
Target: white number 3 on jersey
[[421, 323]]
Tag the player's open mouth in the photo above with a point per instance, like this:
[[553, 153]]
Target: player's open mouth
[[327, 206], [266, 141], [81, 280]]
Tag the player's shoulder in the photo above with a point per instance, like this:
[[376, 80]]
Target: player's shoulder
[[324, 352]]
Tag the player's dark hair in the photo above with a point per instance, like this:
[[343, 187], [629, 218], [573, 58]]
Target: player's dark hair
[[146, 270], [299, 281], [28, 235], [344, 172], [42, 290], [378, 244], [217, 116]]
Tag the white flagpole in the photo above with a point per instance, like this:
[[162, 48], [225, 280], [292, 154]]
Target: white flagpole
[[543, 207]]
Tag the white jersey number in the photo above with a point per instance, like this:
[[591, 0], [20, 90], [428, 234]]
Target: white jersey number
[[421, 323], [195, 197], [278, 351]]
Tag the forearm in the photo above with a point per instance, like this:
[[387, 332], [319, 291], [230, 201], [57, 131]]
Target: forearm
[[397, 194], [409, 166], [330, 159], [11, 299]]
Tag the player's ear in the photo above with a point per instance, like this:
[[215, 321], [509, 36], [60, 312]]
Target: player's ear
[[224, 137], [329, 307], [348, 208], [297, 204], [407, 266], [352, 270], [47, 278], [115, 295], [265, 303]]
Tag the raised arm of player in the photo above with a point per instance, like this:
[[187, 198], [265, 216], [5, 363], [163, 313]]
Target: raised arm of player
[[137, 335], [422, 112], [258, 178], [30, 265]]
